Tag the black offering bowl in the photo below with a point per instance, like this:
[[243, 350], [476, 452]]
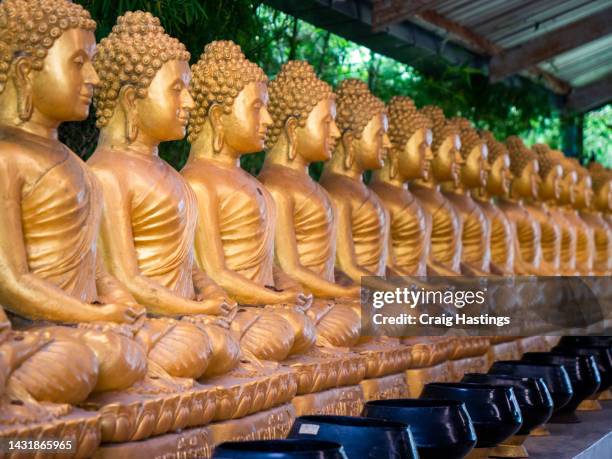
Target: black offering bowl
[[279, 449], [555, 377], [360, 437], [603, 359], [440, 428], [583, 374], [578, 341], [531, 394], [494, 410]]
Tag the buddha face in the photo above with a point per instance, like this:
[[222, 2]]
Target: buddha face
[[415, 159], [500, 177], [584, 193], [163, 114], [602, 199], [526, 184], [316, 140], [447, 161], [371, 147], [476, 167], [245, 127], [550, 186], [63, 89], [568, 191]]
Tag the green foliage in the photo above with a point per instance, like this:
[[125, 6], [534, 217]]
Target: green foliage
[[597, 133], [270, 38]]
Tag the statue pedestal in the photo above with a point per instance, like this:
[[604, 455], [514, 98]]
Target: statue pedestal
[[341, 401], [418, 377], [503, 351], [457, 368], [533, 344], [200, 441], [80, 427], [385, 388]]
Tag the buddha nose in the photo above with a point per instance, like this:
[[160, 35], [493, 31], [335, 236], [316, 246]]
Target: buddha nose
[[386, 142], [187, 102], [334, 131], [91, 76], [266, 119]]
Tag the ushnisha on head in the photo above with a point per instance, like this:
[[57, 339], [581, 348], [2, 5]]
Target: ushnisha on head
[[550, 173], [500, 177], [524, 168], [447, 160], [144, 77], [45, 52], [363, 124], [474, 153], [230, 93], [410, 134]]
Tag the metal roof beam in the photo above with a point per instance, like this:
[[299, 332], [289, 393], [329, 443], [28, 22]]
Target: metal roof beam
[[591, 96], [388, 12], [550, 44]]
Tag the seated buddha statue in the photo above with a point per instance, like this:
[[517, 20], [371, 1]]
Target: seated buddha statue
[[150, 213], [445, 252], [362, 231], [565, 200], [583, 193], [475, 232], [595, 217], [51, 274], [303, 130], [549, 191], [234, 240]]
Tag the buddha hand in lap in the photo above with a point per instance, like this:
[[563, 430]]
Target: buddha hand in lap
[[235, 236]]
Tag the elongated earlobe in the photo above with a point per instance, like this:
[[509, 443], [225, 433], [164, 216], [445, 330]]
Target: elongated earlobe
[[127, 102], [291, 126], [393, 165], [349, 156], [214, 114], [23, 86]]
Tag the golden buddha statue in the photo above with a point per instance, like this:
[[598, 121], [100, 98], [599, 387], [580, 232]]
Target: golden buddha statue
[[235, 234], [475, 233], [565, 200], [150, 214], [303, 109], [582, 195], [595, 217], [408, 158], [50, 210], [445, 252]]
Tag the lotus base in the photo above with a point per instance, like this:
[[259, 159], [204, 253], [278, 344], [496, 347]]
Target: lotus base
[[385, 387], [341, 401], [418, 377], [200, 441], [512, 447]]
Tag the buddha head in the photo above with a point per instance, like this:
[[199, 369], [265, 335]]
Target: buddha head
[[303, 110], [474, 152], [363, 125], [602, 187], [143, 96], [550, 173], [46, 75], [525, 169], [499, 177], [569, 179], [584, 186], [410, 134], [446, 143], [231, 98]]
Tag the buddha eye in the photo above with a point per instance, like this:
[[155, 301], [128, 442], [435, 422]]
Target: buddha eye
[[79, 61]]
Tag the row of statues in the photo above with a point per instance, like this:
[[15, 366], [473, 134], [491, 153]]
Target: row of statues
[[159, 299]]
